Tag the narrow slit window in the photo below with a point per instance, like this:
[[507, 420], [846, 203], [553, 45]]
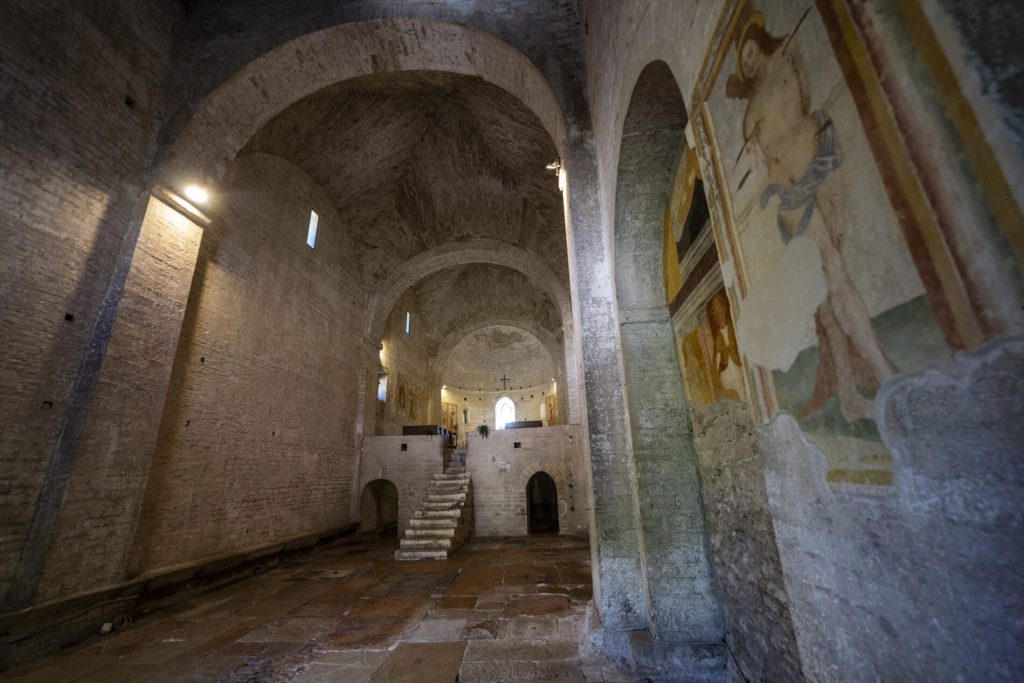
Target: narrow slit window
[[408, 322], [314, 224], [382, 386]]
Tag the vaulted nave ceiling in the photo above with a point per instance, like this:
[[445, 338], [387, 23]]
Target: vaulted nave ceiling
[[463, 298], [415, 160]]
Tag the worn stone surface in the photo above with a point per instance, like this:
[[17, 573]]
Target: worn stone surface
[[348, 612], [759, 628], [942, 549]]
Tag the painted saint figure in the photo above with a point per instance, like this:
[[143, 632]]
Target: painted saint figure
[[803, 157], [726, 371]]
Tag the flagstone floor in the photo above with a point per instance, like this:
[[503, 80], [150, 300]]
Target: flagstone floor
[[499, 610]]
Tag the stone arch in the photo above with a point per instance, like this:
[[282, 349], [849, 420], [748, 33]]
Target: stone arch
[[232, 113], [426, 263], [657, 417], [378, 507], [451, 254]]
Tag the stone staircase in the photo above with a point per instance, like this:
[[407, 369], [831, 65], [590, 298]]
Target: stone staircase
[[444, 520]]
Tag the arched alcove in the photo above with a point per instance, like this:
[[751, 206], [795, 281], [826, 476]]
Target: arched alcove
[[541, 504], [378, 509], [685, 604]]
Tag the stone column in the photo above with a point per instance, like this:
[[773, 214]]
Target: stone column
[[615, 544], [685, 601]]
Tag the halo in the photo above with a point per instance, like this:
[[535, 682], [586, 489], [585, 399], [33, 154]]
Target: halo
[[756, 17]]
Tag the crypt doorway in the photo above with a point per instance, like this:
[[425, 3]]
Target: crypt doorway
[[541, 504]]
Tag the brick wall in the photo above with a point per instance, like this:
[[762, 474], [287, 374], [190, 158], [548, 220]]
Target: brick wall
[[82, 97], [501, 471], [256, 442], [406, 359], [93, 535]]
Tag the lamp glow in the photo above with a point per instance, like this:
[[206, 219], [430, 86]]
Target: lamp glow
[[196, 194]]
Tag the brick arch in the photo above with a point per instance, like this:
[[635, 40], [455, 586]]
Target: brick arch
[[226, 120]]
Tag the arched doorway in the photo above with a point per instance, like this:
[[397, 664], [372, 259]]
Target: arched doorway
[[541, 504], [378, 509]]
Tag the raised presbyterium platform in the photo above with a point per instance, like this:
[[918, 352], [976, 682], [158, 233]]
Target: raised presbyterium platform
[[524, 424]]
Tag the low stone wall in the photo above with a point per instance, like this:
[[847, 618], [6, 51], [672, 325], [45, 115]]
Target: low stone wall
[[500, 473], [410, 470]]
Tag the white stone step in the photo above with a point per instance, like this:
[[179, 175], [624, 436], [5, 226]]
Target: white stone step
[[433, 522], [453, 513], [430, 532], [460, 478], [446, 497], [441, 505], [449, 485], [425, 543]]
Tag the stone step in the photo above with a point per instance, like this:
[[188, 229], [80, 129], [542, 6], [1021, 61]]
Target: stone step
[[421, 554], [453, 513], [430, 532], [446, 497], [446, 490], [449, 484], [425, 543], [461, 478], [441, 505], [433, 522]]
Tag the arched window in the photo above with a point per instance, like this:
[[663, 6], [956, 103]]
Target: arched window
[[504, 412]]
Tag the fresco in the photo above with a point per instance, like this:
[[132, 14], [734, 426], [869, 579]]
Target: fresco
[[551, 409], [450, 417], [829, 301], [401, 395], [415, 404], [709, 354]]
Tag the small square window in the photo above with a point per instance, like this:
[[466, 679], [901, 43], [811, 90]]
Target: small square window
[[314, 224], [517, 444], [405, 446]]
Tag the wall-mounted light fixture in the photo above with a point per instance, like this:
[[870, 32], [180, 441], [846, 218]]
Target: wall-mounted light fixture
[[556, 167], [186, 206], [196, 194]]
